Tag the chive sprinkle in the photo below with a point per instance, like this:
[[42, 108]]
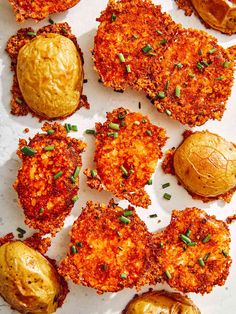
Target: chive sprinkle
[[201, 262], [114, 126], [58, 175], [159, 32], [205, 258], [163, 42], [50, 20], [131, 171], [167, 85], [207, 238], [188, 232], [161, 244], [67, 127], [75, 198], [199, 66], [121, 57], [211, 51], [168, 275], [72, 179], [149, 182], [49, 147], [226, 64], [123, 275], [179, 65], [128, 68], [205, 63], [125, 220], [32, 34], [224, 253], [19, 100], [113, 134], [220, 78], [79, 244], [191, 75], [104, 267], [128, 213], [161, 95], [94, 173], [124, 170], [149, 133], [167, 196], [147, 48], [76, 172], [74, 128], [177, 91], [50, 132], [123, 123], [20, 235], [192, 244], [136, 122], [41, 210], [144, 121], [168, 112], [200, 52], [113, 17], [74, 249], [28, 151], [122, 115], [20, 230], [153, 216], [165, 185], [90, 132], [185, 239], [120, 248]]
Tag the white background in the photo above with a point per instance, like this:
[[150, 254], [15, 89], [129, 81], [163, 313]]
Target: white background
[[82, 19]]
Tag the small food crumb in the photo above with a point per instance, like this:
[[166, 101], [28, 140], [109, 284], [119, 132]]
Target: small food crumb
[[26, 130]]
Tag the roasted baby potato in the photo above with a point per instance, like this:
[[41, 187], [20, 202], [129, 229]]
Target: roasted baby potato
[[154, 302], [205, 164], [29, 282]]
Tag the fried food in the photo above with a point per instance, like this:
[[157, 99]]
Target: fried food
[[48, 180], [193, 251], [38, 9], [108, 249], [205, 164], [128, 147], [184, 72], [161, 302], [54, 90], [30, 283]]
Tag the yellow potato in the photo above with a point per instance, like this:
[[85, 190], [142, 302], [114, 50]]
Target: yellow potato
[[50, 75], [205, 164], [155, 302], [28, 282], [219, 14]]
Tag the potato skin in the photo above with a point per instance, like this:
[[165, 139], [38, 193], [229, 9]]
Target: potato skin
[[50, 75], [29, 282], [205, 164], [153, 302]]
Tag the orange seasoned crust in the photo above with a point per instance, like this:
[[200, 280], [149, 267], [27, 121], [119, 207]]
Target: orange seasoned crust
[[185, 5], [37, 242], [181, 264], [38, 9], [47, 200], [127, 157], [105, 253], [14, 44], [7, 238], [181, 70]]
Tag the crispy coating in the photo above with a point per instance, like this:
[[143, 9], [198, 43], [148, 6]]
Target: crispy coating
[[46, 200], [14, 44], [126, 163], [163, 72], [185, 5], [181, 262], [217, 159], [37, 9], [39, 243], [105, 253]]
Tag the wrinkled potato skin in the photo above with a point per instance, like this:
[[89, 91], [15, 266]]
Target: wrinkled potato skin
[[219, 14], [205, 164], [50, 75], [155, 302], [29, 282]]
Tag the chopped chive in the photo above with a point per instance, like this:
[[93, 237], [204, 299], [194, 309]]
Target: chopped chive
[[164, 186], [123, 123], [124, 170], [205, 258], [128, 213], [144, 121], [149, 182], [205, 63], [20, 235], [75, 198], [113, 17], [168, 275], [161, 94], [192, 244], [128, 68], [120, 248], [74, 128], [211, 51], [67, 127], [85, 81], [167, 196], [200, 52], [153, 215], [131, 171], [136, 122], [147, 48], [159, 32], [226, 64], [19, 100], [72, 179], [50, 20], [224, 253], [122, 115], [114, 126], [125, 220], [41, 210], [74, 249], [90, 132], [191, 75], [220, 78], [49, 147], [32, 34], [163, 42], [168, 112], [50, 131], [177, 91], [20, 230], [179, 65], [123, 275], [135, 36], [185, 239], [58, 175], [28, 151], [201, 262], [149, 133], [94, 173], [207, 238], [188, 232], [104, 267], [161, 244], [167, 85], [113, 134], [199, 66], [121, 57], [79, 244], [76, 172]]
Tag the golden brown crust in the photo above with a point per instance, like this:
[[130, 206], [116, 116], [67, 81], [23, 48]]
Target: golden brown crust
[[136, 150], [230, 219], [37, 242], [202, 96], [182, 261], [38, 10], [36, 186], [14, 44], [7, 238], [110, 255]]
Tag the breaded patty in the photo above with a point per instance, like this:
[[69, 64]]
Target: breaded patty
[[193, 251], [128, 147], [108, 249], [15, 43], [48, 180], [38, 9], [184, 72]]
